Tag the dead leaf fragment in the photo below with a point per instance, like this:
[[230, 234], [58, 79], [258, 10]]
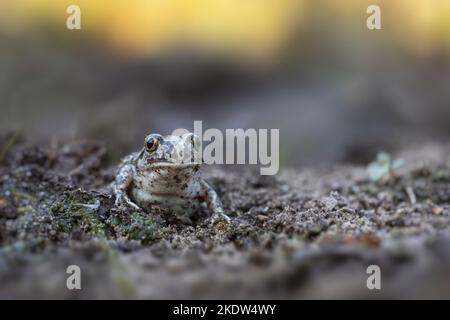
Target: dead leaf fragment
[[2, 203]]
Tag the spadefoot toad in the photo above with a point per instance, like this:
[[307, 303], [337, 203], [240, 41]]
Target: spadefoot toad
[[164, 175]]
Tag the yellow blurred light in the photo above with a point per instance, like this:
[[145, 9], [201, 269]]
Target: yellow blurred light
[[421, 24], [255, 27], [149, 26]]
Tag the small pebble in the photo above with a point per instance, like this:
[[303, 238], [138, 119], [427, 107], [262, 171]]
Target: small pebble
[[261, 217]]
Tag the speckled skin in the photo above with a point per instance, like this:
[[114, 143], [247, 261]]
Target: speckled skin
[[166, 179]]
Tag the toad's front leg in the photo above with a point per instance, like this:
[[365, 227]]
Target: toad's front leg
[[213, 203], [122, 184]]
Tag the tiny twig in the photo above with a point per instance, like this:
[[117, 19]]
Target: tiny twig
[[411, 194], [76, 170], [94, 206]]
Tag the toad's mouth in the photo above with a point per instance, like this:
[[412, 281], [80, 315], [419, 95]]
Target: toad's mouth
[[173, 163]]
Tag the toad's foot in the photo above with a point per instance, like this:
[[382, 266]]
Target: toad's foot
[[217, 217], [123, 200]]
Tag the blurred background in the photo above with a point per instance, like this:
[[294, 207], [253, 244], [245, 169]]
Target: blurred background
[[337, 91]]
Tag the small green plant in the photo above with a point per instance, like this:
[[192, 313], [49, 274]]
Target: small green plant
[[383, 166]]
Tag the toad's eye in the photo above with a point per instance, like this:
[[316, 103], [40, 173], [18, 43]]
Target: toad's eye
[[151, 144]]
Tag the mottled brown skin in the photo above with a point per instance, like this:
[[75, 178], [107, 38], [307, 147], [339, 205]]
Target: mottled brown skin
[[164, 177]]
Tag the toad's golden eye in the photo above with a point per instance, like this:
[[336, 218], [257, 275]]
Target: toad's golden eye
[[151, 144]]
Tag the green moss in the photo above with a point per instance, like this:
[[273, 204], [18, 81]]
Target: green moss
[[77, 212], [57, 207], [441, 176], [87, 221], [142, 227]]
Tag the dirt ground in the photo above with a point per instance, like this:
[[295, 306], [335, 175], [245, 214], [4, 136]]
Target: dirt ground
[[308, 232]]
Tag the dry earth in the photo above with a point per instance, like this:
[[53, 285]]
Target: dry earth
[[305, 233]]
